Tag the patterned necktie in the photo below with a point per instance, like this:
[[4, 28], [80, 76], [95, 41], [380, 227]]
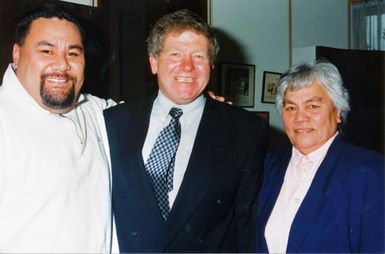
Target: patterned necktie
[[160, 163]]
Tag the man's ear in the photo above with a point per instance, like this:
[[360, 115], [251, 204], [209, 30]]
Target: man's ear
[[15, 55], [153, 63]]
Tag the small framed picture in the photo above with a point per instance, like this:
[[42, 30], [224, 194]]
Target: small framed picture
[[238, 83], [269, 88]]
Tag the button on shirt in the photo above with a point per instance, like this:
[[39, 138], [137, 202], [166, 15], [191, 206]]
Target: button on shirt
[[54, 175], [192, 114], [298, 178]]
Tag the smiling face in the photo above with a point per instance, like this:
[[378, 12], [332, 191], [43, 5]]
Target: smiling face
[[183, 66], [50, 63], [310, 117]]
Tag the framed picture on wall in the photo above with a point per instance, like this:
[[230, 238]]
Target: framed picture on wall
[[237, 83], [269, 88]]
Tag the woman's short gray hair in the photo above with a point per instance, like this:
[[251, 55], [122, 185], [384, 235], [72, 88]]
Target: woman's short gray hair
[[303, 74]]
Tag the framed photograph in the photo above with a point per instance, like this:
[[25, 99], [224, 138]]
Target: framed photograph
[[237, 83], [94, 3], [269, 88], [209, 13]]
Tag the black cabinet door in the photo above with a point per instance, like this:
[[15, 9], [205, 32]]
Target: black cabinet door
[[133, 20], [363, 75], [96, 23]]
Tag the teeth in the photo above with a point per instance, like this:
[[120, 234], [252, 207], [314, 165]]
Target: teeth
[[181, 79], [56, 80], [302, 130]]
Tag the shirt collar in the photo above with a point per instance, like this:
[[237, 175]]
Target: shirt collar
[[162, 104], [316, 155]]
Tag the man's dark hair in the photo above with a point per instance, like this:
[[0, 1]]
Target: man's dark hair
[[49, 10]]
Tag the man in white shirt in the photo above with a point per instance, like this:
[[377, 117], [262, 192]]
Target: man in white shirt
[[54, 169], [321, 194]]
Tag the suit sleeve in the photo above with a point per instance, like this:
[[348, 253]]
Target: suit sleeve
[[372, 237], [245, 207]]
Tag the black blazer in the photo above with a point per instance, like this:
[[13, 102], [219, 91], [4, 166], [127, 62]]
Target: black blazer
[[213, 211]]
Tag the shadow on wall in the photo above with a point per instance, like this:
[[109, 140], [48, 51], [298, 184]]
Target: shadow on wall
[[232, 51]]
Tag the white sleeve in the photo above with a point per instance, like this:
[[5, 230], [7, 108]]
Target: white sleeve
[[109, 103], [2, 164], [101, 102]]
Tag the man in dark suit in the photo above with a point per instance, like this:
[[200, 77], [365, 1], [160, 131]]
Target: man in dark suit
[[321, 194], [203, 199]]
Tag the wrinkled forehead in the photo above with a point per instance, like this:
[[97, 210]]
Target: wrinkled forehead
[[177, 31], [314, 89]]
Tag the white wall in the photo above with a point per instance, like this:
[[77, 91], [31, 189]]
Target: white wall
[[261, 29], [321, 22], [318, 23]]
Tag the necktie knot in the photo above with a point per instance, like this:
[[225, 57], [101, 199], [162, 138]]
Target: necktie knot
[[176, 113]]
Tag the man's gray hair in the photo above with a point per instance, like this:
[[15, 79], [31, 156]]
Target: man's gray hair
[[303, 74]]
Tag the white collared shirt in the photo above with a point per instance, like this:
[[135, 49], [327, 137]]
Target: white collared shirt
[[298, 178], [55, 183], [192, 114]]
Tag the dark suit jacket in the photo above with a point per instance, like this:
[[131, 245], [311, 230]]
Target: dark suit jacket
[[343, 210], [213, 209]]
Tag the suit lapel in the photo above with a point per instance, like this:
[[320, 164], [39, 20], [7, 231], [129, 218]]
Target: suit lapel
[[209, 149], [314, 201], [133, 135], [269, 193]]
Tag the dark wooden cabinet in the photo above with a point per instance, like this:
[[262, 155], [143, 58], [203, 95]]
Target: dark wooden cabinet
[[363, 74], [117, 65], [131, 22], [97, 49]]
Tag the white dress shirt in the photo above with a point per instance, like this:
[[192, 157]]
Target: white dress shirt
[[160, 118], [298, 178], [54, 175]]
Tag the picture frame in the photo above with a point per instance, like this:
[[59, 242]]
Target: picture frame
[[93, 3], [269, 87], [209, 12], [238, 83]]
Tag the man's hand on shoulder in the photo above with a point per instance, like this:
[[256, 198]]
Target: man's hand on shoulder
[[218, 98]]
